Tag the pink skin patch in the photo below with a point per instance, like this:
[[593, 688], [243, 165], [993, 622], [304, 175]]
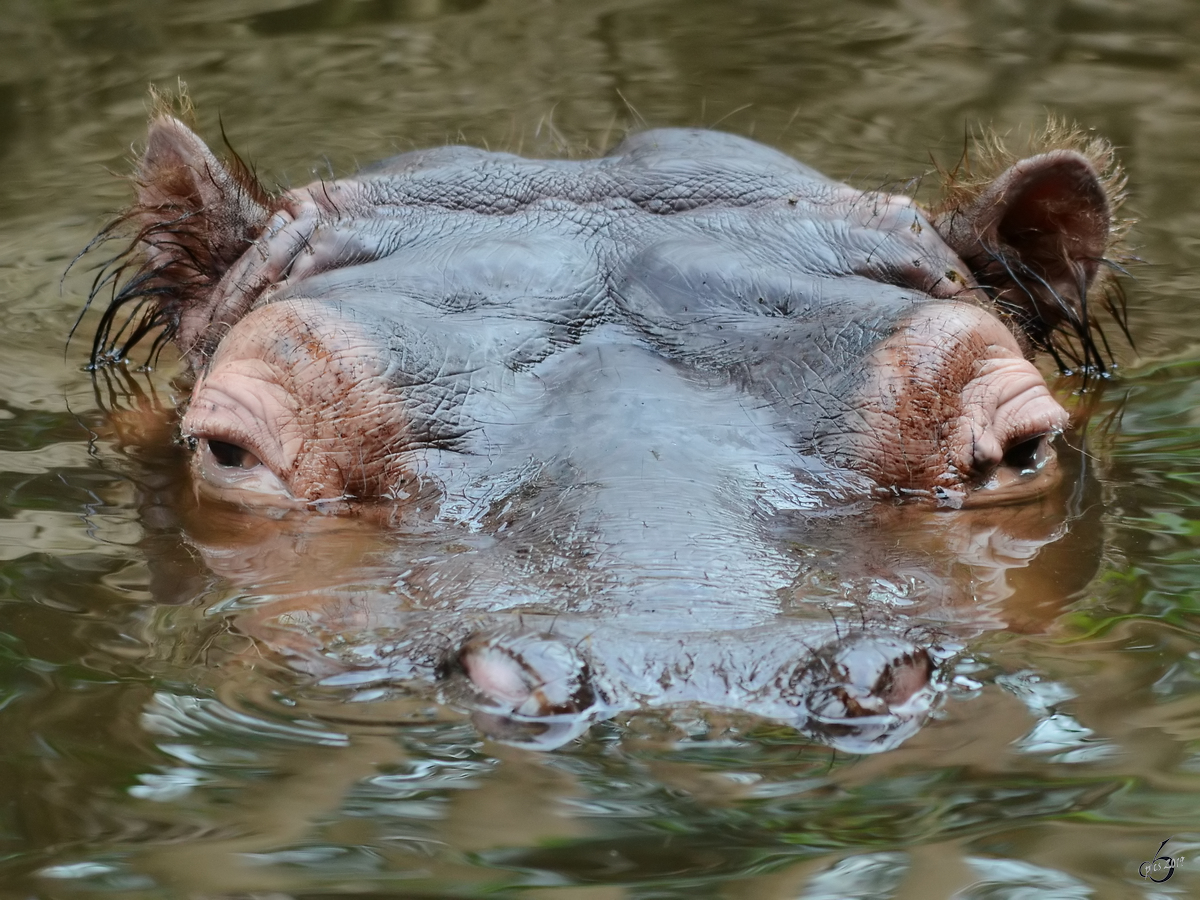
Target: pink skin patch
[[953, 409], [295, 409]]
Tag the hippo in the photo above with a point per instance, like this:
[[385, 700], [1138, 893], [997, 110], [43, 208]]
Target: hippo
[[613, 414]]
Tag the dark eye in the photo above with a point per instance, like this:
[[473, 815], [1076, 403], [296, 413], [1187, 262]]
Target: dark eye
[[231, 456], [1026, 456]]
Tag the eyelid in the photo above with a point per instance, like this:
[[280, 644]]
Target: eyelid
[[216, 426], [244, 401], [229, 414], [235, 484], [232, 456]]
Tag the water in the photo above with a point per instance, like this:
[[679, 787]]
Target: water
[[150, 747]]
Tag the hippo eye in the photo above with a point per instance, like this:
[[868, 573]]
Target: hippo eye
[[1027, 456], [233, 472], [232, 456], [1025, 465]]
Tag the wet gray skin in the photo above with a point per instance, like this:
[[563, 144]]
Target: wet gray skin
[[607, 409]]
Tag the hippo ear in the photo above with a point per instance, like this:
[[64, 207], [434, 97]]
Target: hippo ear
[[1035, 238], [196, 215]]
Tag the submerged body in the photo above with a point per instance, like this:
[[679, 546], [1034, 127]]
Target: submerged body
[[616, 393]]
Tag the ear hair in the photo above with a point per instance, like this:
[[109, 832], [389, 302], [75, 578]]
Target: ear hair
[[1063, 231], [985, 155], [194, 216]]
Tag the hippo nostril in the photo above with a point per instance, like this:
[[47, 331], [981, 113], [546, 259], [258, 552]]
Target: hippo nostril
[[906, 675], [533, 675], [231, 456], [859, 677]]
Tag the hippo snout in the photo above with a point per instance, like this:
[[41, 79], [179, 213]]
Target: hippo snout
[[862, 692]]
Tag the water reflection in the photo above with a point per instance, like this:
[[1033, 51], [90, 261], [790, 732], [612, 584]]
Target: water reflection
[[321, 15]]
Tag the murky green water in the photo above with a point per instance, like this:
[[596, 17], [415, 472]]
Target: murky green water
[[154, 742]]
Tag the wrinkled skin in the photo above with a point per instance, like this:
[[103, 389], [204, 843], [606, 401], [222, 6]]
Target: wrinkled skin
[[609, 408]]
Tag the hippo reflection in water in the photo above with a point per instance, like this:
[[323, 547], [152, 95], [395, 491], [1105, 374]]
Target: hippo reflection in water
[[638, 426]]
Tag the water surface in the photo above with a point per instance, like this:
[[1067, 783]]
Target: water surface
[[154, 741]]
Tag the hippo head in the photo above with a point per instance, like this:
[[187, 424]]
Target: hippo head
[[622, 386], [381, 337]]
